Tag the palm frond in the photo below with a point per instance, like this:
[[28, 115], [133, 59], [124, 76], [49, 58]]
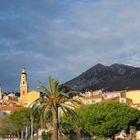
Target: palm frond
[[75, 101], [64, 94], [72, 106], [44, 90], [47, 115], [72, 93], [56, 85], [50, 85], [71, 112]]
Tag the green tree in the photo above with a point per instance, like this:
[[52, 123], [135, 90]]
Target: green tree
[[105, 119], [20, 120], [56, 96], [6, 127], [46, 136]]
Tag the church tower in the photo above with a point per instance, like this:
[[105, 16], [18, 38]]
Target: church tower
[[23, 86]]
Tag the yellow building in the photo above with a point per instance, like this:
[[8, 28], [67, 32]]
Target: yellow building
[[32, 96], [132, 94], [26, 98]]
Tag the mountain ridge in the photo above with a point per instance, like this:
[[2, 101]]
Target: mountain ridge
[[113, 77]]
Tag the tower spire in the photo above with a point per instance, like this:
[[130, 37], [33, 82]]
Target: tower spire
[[23, 70]]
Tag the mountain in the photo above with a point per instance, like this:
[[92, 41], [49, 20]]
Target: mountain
[[114, 77]]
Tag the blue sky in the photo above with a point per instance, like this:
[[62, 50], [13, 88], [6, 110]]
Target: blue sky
[[63, 38]]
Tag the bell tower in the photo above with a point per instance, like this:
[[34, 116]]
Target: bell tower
[[23, 86]]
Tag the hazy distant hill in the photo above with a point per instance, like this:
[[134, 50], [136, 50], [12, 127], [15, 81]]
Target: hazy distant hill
[[114, 77]]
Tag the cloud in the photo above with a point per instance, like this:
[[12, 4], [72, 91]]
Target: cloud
[[65, 38]]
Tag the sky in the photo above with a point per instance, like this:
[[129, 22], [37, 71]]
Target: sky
[[63, 38]]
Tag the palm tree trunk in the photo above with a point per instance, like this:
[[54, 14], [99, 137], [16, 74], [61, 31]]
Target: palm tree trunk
[[32, 129], [18, 135], [37, 134], [26, 133], [78, 134], [55, 124], [22, 134]]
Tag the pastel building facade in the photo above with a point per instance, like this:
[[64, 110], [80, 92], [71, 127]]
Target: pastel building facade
[[91, 93], [92, 99], [131, 97], [111, 94], [134, 96]]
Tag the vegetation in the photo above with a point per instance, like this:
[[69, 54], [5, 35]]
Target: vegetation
[[20, 120], [101, 120], [48, 107], [15, 124], [46, 136], [104, 119], [6, 127]]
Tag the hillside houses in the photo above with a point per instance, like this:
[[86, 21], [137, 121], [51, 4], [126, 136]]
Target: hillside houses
[[131, 98]]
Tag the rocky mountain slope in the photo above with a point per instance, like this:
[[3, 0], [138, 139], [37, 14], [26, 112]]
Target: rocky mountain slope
[[114, 77]]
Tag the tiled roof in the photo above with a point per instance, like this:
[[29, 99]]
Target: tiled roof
[[11, 101], [94, 97], [6, 107], [109, 99]]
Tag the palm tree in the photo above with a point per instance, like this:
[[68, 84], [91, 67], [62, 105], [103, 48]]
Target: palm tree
[[55, 97]]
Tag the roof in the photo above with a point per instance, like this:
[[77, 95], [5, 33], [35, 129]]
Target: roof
[[12, 101], [9, 108], [94, 97], [133, 90], [109, 99]]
